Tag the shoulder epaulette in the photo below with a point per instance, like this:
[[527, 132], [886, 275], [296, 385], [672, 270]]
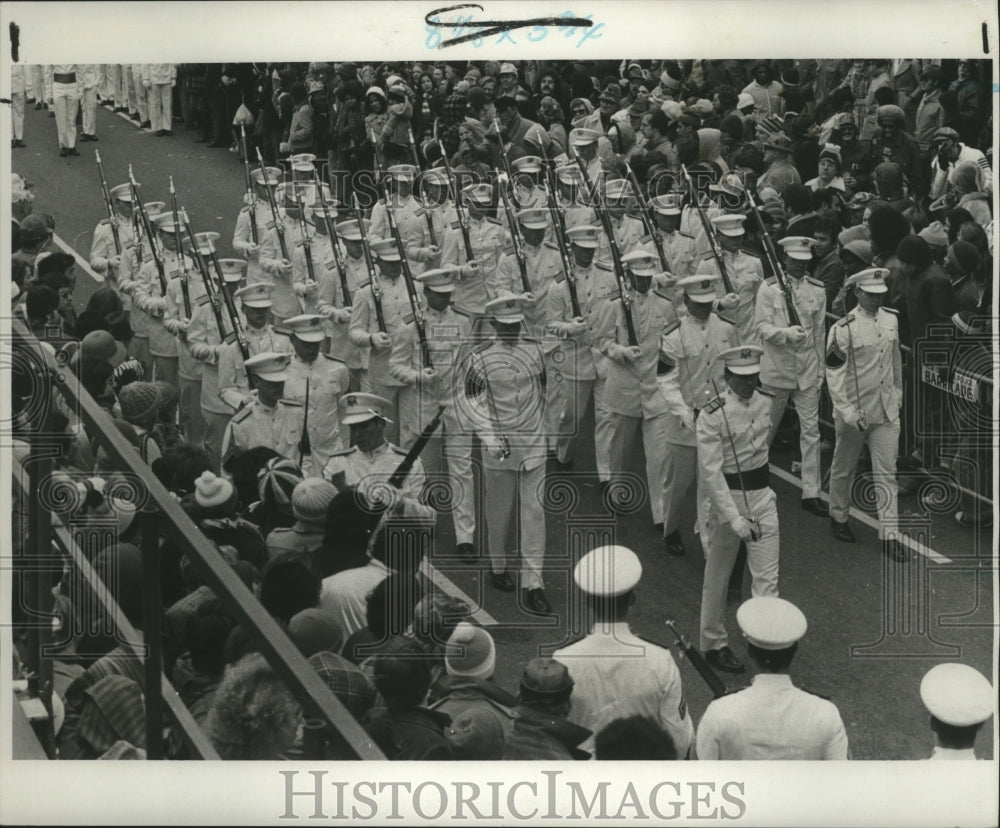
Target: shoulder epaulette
[[604, 266], [332, 358], [344, 452], [613, 295], [816, 282], [398, 450], [765, 393], [466, 314], [406, 320], [241, 415], [714, 405], [365, 284], [673, 326], [890, 310], [663, 296], [291, 403], [708, 257], [104, 221], [771, 281], [725, 319], [814, 693], [846, 320], [686, 235], [551, 244], [492, 220]]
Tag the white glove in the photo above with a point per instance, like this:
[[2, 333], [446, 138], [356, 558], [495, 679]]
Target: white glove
[[687, 419], [577, 327], [340, 315], [470, 269], [528, 298], [285, 268], [426, 254], [624, 355], [796, 334], [380, 341], [493, 445], [855, 419], [309, 287], [729, 301], [252, 250], [115, 262], [742, 527], [283, 147]]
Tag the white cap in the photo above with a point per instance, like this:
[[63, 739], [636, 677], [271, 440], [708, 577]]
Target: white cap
[[360, 407], [307, 326], [668, 204], [957, 695], [506, 309], [870, 280], [771, 623], [608, 571], [257, 295], [729, 224], [584, 235], [700, 287], [798, 247], [269, 365], [743, 359], [640, 262]]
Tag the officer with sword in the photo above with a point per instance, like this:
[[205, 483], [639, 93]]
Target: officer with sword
[[737, 501]]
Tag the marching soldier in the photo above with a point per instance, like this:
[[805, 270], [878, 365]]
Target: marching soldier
[[326, 379], [506, 379], [448, 333], [628, 230], [243, 241], [255, 299], [135, 257], [678, 248], [732, 432], [104, 258], [542, 265], [615, 673], [772, 718], [477, 277], [865, 377], [745, 270], [207, 342], [792, 365], [371, 460], [433, 220], [960, 700], [64, 98], [184, 294], [688, 373], [528, 194], [631, 393], [406, 210], [584, 143], [569, 181], [286, 273], [364, 330], [583, 366], [148, 297], [267, 420]]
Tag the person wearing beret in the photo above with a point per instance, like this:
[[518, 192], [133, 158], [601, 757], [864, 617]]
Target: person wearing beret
[[772, 718]]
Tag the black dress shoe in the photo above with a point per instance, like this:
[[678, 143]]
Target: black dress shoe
[[63, 152], [842, 531], [723, 659], [146, 125], [673, 545], [74, 151], [18, 143], [895, 550], [168, 132], [134, 116], [219, 145], [536, 602], [158, 133], [466, 551], [502, 581], [563, 466], [816, 506]]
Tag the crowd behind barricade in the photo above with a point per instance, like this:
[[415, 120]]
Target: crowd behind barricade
[[665, 238]]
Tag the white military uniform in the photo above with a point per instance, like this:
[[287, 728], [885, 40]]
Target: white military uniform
[[687, 369], [486, 237], [678, 250], [328, 379], [865, 346], [794, 371], [257, 425], [234, 389], [747, 274], [729, 421]]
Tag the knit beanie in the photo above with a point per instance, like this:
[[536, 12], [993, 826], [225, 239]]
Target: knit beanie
[[891, 112], [470, 652], [96, 346], [276, 481], [771, 125], [169, 394], [139, 402], [475, 734], [830, 152], [963, 256], [860, 249], [215, 495], [935, 234], [914, 250], [477, 97], [311, 498]]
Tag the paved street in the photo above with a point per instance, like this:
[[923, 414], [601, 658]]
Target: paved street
[[875, 627]]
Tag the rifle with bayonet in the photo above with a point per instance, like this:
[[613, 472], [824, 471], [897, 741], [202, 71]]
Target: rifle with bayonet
[[454, 191], [597, 201], [279, 228], [420, 196], [774, 261], [109, 204], [687, 649], [147, 227], [370, 265], [185, 276], [647, 219], [331, 232], [251, 194], [515, 236], [211, 294], [398, 477], [305, 445], [709, 230], [559, 229], [238, 332], [411, 290], [503, 154], [306, 243]]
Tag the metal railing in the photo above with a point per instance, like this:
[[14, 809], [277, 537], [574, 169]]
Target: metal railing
[[317, 700]]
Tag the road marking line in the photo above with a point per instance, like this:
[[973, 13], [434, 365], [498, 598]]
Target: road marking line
[[82, 262], [445, 584], [857, 514], [124, 116]]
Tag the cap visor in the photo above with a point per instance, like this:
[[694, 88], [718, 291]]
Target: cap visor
[[744, 370]]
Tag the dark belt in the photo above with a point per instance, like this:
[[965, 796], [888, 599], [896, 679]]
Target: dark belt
[[68, 77], [752, 479]]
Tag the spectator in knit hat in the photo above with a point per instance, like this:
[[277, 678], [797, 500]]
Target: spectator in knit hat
[[310, 500], [390, 609], [348, 683], [780, 172], [265, 481], [470, 660], [855, 154], [253, 715], [936, 236], [890, 187], [893, 143], [828, 185], [314, 631], [541, 729], [215, 508], [140, 405], [634, 737], [475, 735], [403, 728], [289, 584], [962, 264], [166, 430]]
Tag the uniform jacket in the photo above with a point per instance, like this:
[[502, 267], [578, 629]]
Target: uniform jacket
[[782, 364], [867, 347]]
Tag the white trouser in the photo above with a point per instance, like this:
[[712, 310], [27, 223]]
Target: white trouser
[[501, 489], [807, 407], [66, 100], [883, 445], [160, 106], [654, 443], [89, 104], [680, 467], [17, 100], [449, 443], [577, 393]]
